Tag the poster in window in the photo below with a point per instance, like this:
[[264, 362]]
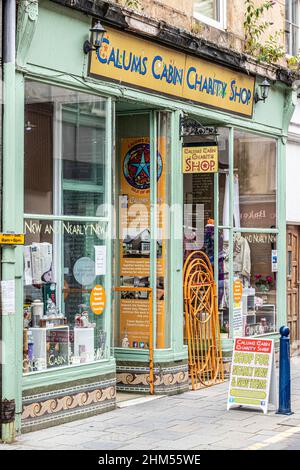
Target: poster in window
[[135, 236]]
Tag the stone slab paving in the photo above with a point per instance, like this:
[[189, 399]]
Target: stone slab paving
[[193, 420]]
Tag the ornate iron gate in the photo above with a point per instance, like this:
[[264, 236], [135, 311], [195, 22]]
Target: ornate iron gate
[[202, 330]]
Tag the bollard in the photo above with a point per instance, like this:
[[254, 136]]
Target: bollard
[[284, 373]]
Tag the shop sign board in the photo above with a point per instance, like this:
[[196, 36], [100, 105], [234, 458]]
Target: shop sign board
[[130, 60], [252, 377], [200, 159], [12, 238]]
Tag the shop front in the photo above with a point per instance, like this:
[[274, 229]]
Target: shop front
[[133, 157]]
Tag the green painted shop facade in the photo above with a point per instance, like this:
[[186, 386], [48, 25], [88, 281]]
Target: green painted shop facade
[[66, 142]]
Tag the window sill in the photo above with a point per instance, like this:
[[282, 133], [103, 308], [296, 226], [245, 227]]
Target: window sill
[[221, 25], [68, 373]]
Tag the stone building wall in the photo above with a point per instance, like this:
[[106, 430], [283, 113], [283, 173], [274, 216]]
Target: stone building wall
[[179, 13]]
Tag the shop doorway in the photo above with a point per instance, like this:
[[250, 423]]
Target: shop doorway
[[141, 295], [205, 185], [293, 286], [206, 215]]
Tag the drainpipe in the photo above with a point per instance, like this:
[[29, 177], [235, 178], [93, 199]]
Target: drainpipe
[[1, 95], [8, 330]]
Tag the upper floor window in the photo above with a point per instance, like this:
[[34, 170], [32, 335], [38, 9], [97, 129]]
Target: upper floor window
[[212, 12], [292, 26]]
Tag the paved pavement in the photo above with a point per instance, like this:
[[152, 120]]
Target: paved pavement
[[193, 420]]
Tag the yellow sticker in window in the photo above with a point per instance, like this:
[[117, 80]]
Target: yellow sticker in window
[[98, 300]]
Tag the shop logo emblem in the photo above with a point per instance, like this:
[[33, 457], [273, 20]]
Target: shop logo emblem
[[136, 167]]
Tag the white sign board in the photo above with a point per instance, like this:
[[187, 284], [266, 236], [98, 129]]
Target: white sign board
[[8, 297], [252, 378], [100, 260]]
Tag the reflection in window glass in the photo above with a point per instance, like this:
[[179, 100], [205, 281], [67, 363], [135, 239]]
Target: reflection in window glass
[[83, 151], [64, 149], [254, 181]]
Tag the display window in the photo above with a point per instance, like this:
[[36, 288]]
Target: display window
[[255, 181], [66, 228], [231, 216]]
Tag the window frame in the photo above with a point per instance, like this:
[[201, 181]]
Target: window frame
[[291, 25], [58, 217], [221, 24], [277, 231]]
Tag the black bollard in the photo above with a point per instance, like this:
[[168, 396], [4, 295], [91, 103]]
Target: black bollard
[[284, 373]]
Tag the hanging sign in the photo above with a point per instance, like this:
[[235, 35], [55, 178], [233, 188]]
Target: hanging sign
[[200, 159], [98, 300], [252, 378], [12, 239], [128, 59]]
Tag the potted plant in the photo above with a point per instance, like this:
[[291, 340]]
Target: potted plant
[[263, 283]]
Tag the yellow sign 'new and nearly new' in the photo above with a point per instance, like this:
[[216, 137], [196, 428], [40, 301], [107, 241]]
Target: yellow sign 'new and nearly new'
[[131, 60], [200, 159]]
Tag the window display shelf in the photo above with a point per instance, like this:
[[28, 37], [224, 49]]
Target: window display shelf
[[84, 345], [262, 321], [48, 347]]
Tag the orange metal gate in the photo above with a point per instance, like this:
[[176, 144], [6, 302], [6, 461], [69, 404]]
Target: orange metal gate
[[202, 330], [151, 356]]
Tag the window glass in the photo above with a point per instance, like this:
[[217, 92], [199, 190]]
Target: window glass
[[254, 186], [254, 284], [64, 151], [64, 260], [255, 264], [292, 26], [83, 158], [208, 8], [223, 148], [163, 230], [38, 164], [133, 162]]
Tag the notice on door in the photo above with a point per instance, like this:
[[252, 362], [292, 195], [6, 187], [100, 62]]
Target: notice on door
[[252, 378], [200, 159]]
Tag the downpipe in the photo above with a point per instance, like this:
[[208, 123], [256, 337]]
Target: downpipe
[[8, 322]]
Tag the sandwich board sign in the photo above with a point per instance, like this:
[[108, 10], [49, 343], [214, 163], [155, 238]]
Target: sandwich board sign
[[252, 377]]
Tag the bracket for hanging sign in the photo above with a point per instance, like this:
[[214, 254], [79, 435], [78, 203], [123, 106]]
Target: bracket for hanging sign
[[12, 239], [192, 127]]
